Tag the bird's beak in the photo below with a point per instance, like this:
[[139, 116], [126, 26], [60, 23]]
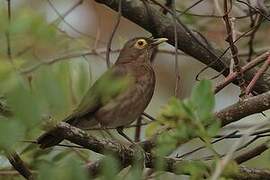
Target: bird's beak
[[158, 41]]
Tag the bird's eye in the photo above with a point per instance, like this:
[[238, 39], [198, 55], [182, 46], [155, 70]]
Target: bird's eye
[[141, 43]]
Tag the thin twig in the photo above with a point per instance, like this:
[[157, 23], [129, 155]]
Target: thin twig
[[189, 8], [260, 72], [60, 145], [212, 15], [191, 34], [80, 54], [224, 161], [137, 136], [253, 33], [201, 147], [246, 33], [67, 23], [176, 68], [233, 48], [252, 153], [231, 77], [167, 4], [9, 54], [148, 116], [255, 9], [72, 8], [113, 33]]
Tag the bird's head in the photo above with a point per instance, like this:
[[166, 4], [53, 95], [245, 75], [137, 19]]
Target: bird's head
[[139, 49]]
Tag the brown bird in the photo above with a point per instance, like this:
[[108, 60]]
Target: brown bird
[[119, 96]]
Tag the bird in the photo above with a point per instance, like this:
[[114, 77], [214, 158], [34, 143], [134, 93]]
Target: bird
[[119, 96]]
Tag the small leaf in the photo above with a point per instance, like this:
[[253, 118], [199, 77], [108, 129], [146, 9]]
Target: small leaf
[[213, 128], [230, 169], [196, 169], [151, 129], [61, 155], [166, 143], [174, 111], [11, 131], [24, 105], [110, 168], [70, 169], [202, 98]]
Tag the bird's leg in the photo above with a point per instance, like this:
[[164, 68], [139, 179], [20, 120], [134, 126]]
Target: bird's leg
[[121, 132]]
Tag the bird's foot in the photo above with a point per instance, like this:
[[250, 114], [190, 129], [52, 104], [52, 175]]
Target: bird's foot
[[121, 132]]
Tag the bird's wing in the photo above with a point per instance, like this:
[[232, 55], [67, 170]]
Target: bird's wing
[[108, 86]]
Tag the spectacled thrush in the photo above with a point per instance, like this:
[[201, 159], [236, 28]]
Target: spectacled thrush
[[119, 96]]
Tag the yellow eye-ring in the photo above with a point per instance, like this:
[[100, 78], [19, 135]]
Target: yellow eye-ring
[[140, 44]]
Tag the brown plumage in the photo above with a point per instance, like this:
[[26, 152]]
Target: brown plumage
[[119, 96]]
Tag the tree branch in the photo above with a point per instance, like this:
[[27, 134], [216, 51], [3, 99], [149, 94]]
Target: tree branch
[[244, 108], [252, 173], [199, 47], [126, 155], [20, 166], [252, 153]]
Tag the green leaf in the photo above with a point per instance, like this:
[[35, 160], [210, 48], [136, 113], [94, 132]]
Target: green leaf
[[174, 111], [213, 128], [110, 167], [203, 100], [7, 69], [24, 105], [52, 86], [60, 156], [166, 143], [11, 131], [196, 169], [81, 77], [70, 169], [151, 129], [230, 169]]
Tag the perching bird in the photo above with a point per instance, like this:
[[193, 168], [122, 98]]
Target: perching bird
[[119, 96]]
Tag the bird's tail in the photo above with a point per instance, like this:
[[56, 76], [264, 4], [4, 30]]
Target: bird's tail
[[49, 139]]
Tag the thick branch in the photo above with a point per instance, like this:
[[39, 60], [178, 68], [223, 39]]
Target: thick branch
[[252, 153], [162, 26], [127, 154], [252, 173], [20, 166], [244, 108]]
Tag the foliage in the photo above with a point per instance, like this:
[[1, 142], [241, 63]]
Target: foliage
[[37, 91], [185, 119], [29, 99]]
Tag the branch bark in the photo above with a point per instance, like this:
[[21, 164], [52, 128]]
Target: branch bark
[[252, 153], [126, 155], [244, 108], [20, 166], [190, 42]]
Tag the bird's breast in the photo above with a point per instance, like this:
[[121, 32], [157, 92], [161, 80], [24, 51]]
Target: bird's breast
[[130, 104], [146, 81]]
